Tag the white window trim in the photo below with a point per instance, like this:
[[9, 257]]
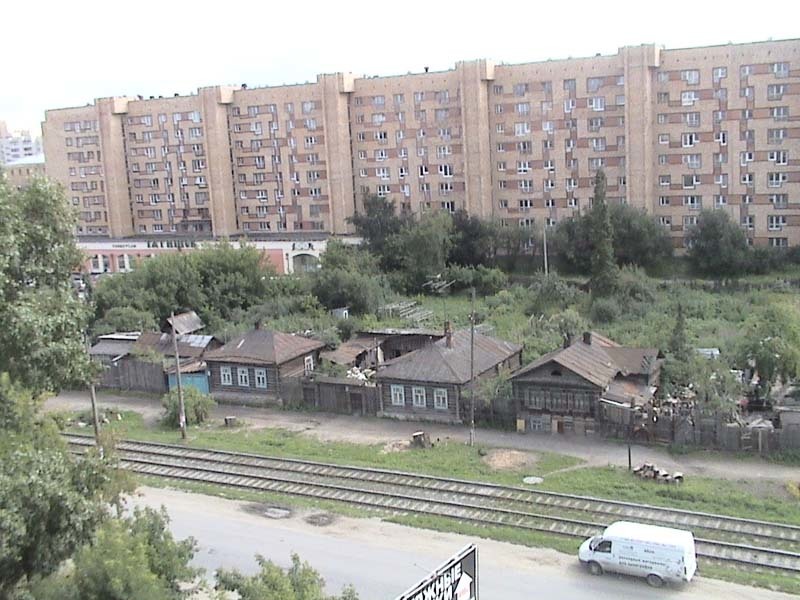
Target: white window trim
[[243, 376], [225, 376], [263, 374], [440, 398], [415, 393], [398, 395]]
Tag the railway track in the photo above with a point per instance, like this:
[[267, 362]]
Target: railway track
[[757, 545]]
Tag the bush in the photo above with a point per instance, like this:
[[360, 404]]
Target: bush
[[604, 310], [634, 286], [549, 292], [485, 280], [196, 404]]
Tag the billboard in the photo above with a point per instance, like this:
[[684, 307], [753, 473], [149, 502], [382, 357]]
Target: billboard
[[456, 579]]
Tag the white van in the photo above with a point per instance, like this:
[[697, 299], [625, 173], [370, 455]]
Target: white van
[[660, 554]]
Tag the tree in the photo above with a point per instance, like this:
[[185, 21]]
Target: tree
[[198, 406], [604, 270], [423, 249], [376, 224], [511, 240], [300, 582], [678, 342], [717, 245], [41, 319], [130, 559], [473, 240]]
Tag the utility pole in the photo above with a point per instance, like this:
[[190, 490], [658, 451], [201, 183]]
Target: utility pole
[[472, 372], [544, 239], [181, 408]]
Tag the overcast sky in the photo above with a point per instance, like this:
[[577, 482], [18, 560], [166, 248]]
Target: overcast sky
[[68, 52]]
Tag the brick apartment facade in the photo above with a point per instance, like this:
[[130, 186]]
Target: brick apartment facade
[[676, 131]]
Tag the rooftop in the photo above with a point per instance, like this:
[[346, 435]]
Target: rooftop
[[261, 346]]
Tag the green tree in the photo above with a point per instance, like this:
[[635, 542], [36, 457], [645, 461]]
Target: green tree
[[604, 269], [678, 341], [423, 249], [473, 240], [197, 405], [376, 224], [717, 246], [512, 241], [300, 582], [41, 319], [124, 318]]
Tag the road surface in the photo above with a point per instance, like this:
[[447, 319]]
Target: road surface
[[383, 559]]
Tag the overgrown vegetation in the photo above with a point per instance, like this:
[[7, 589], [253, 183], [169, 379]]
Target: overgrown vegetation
[[197, 407]]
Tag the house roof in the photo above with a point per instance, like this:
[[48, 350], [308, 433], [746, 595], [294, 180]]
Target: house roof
[[187, 322], [111, 347], [262, 346], [190, 346], [348, 351], [389, 331], [598, 361], [439, 364]]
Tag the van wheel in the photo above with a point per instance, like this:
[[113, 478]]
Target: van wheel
[[595, 568], [654, 580]]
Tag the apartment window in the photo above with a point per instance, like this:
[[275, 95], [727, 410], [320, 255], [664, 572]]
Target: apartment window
[[780, 69], [691, 181], [418, 397], [690, 220], [419, 97], [569, 85], [549, 165], [399, 99], [747, 199], [745, 157], [521, 129], [779, 242], [595, 123], [362, 154], [665, 221], [776, 222], [689, 97], [524, 147], [662, 118], [546, 106], [361, 136], [693, 161], [547, 126], [597, 103], [662, 159], [402, 153], [569, 105], [747, 113], [572, 202], [663, 98], [721, 94], [721, 179], [598, 144], [523, 166], [663, 200], [663, 138], [689, 139], [440, 399], [775, 91], [664, 180], [423, 170], [446, 170], [520, 89], [719, 116], [720, 200], [779, 113], [525, 203], [497, 90], [775, 136], [776, 179], [721, 137], [381, 155], [690, 76], [747, 179], [525, 185], [749, 222], [569, 144], [547, 144], [522, 108], [692, 119], [596, 163], [720, 73], [779, 200], [225, 376], [780, 157], [593, 84], [663, 77]]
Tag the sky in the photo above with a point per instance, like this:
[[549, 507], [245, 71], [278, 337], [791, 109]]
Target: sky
[[61, 53]]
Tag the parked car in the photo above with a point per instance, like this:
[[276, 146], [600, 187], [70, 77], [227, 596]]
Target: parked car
[[659, 554]]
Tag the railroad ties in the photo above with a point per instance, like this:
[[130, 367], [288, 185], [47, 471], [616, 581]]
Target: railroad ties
[[757, 545]]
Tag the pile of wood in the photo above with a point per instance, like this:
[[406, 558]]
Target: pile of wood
[[651, 471]]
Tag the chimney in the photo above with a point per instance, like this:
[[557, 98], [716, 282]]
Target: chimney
[[587, 338], [448, 334], [567, 340]]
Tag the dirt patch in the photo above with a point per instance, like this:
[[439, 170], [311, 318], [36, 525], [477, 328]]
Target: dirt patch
[[396, 446], [320, 519], [266, 510], [509, 460]]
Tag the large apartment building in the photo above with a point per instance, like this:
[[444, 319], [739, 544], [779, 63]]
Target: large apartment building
[[675, 131], [17, 145]]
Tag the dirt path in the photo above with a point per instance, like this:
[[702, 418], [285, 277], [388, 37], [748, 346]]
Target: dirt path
[[370, 430]]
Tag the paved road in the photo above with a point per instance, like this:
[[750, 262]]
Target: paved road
[[333, 427], [382, 559]]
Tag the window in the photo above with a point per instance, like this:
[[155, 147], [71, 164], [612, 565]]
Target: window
[[497, 90], [398, 395], [663, 138], [662, 159], [691, 181], [418, 397], [597, 103], [721, 137], [423, 170], [593, 84], [720, 73], [663, 200], [689, 97], [745, 157], [780, 157], [691, 77], [225, 376], [779, 200], [440, 399], [779, 113], [692, 201], [721, 179], [522, 108], [547, 126], [446, 170], [520, 89], [525, 203], [308, 365], [399, 99], [693, 161], [780, 69], [521, 129], [776, 179], [690, 220], [776, 222], [665, 221], [569, 85], [549, 165], [598, 144], [572, 202], [692, 119], [747, 179], [500, 128], [261, 378], [778, 242], [663, 97], [775, 136], [749, 222], [243, 376], [523, 166], [720, 200], [569, 105], [382, 172], [664, 180], [501, 166], [689, 139], [775, 91]]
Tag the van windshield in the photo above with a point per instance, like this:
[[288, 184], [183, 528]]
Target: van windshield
[[593, 543]]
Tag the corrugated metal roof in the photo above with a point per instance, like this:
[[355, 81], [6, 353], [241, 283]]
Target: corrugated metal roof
[[261, 346], [188, 345], [387, 331], [437, 363], [111, 348], [348, 351], [187, 322]]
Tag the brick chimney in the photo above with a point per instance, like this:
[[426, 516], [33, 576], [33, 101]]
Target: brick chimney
[[448, 334], [587, 338]]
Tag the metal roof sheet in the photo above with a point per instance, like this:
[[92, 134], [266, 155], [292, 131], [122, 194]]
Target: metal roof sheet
[[261, 346]]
